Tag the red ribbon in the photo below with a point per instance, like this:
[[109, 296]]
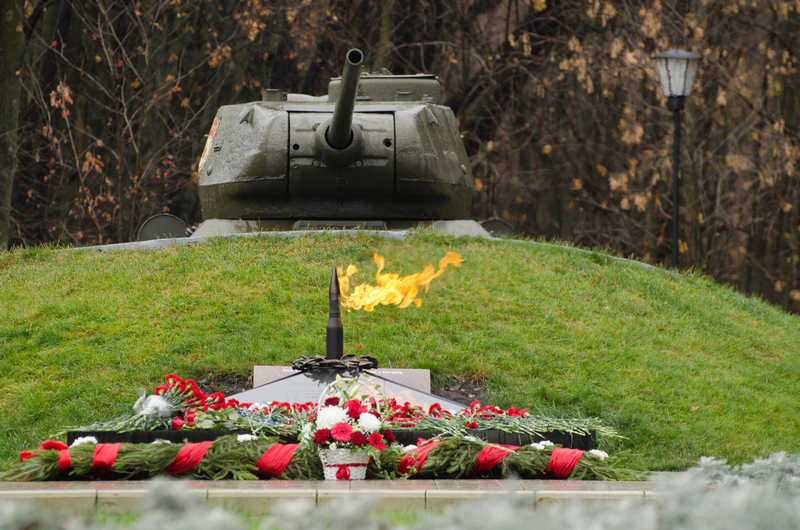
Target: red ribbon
[[343, 473], [188, 457], [561, 462], [490, 456], [64, 460], [416, 456], [104, 457], [274, 461]]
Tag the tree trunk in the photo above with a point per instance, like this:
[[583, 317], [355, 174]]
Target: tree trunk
[[12, 51]]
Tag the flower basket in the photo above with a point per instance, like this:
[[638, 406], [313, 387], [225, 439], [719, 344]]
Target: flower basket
[[340, 464]]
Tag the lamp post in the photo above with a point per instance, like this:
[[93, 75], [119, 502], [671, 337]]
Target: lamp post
[[677, 69]]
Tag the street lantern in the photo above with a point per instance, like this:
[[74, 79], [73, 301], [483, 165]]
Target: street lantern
[[677, 69]]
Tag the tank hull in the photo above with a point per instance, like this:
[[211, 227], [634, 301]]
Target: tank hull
[[262, 164]]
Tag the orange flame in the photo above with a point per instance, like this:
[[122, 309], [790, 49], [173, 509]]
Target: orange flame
[[391, 288]]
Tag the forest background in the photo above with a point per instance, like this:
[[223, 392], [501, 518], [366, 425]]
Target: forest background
[[104, 108]]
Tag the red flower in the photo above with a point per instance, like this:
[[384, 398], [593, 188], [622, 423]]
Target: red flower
[[389, 436], [331, 401], [321, 436], [376, 441], [173, 379], [472, 425], [177, 424], [341, 432], [24, 455], [355, 408], [190, 416], [357, 438], [435, 410], [513, 411]]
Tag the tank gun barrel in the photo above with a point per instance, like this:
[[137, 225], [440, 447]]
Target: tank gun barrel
[[339, 134]]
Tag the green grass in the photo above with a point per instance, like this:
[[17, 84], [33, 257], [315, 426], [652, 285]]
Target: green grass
[[679, 365]]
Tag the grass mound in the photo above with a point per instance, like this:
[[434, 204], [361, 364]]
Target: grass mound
[[679, 365]]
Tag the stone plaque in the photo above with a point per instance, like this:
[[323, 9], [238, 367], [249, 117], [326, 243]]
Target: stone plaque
[[417, 379], [303, 387]]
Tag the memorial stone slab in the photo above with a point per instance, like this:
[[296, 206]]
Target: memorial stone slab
[[418, 379], [304, 387]]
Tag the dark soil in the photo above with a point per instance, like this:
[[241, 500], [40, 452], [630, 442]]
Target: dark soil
[[228, 384], [462, 391], [455, 389]]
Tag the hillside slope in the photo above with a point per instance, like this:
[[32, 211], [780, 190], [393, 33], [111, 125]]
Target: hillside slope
[[679, 365]]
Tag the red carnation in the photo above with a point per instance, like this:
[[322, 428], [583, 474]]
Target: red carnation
[[357, 438], [472, 425], [355, 409], [321, 436], [341, 432], [331, 401], [389, 436], [376, 441], [190, 415], [177, 424]]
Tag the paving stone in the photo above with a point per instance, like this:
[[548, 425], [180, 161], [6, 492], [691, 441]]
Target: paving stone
[[70, 501], [545, 498], [439, 499], [258, 501], [382, 499], [478, 485]]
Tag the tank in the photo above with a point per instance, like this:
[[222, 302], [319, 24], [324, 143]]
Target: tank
[[378, 148]]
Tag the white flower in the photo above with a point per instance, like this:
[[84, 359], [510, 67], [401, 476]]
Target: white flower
[[333, 445], [597, 453], [541, 445], [160, 441], [255, 406], [409, 448], [154, 404], [246, 437], [84, 440], [367, 423], [330, 416], [306, 429]]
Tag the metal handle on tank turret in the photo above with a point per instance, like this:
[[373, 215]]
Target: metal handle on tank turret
[[340, 132], [338, 142]]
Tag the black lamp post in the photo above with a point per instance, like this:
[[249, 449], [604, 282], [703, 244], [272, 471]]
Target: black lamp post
[[676, 69]]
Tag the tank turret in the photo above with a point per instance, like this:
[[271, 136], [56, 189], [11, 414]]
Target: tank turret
[[378, 147]]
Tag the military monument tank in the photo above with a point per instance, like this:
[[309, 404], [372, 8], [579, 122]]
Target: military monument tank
[[378, 151]]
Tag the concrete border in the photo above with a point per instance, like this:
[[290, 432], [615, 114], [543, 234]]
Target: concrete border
[[256, 497]]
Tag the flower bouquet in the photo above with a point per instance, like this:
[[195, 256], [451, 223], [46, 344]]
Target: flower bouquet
[[347, 431]]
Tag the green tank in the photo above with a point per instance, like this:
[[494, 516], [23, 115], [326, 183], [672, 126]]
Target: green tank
[[378, 150]]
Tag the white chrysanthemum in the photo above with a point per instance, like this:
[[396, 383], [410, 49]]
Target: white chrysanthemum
[[330, 416], [306, 428], [409, 448], [84, 440], [597, 453], [541, 445], [160, 441], [246, 437], [367, 423]]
